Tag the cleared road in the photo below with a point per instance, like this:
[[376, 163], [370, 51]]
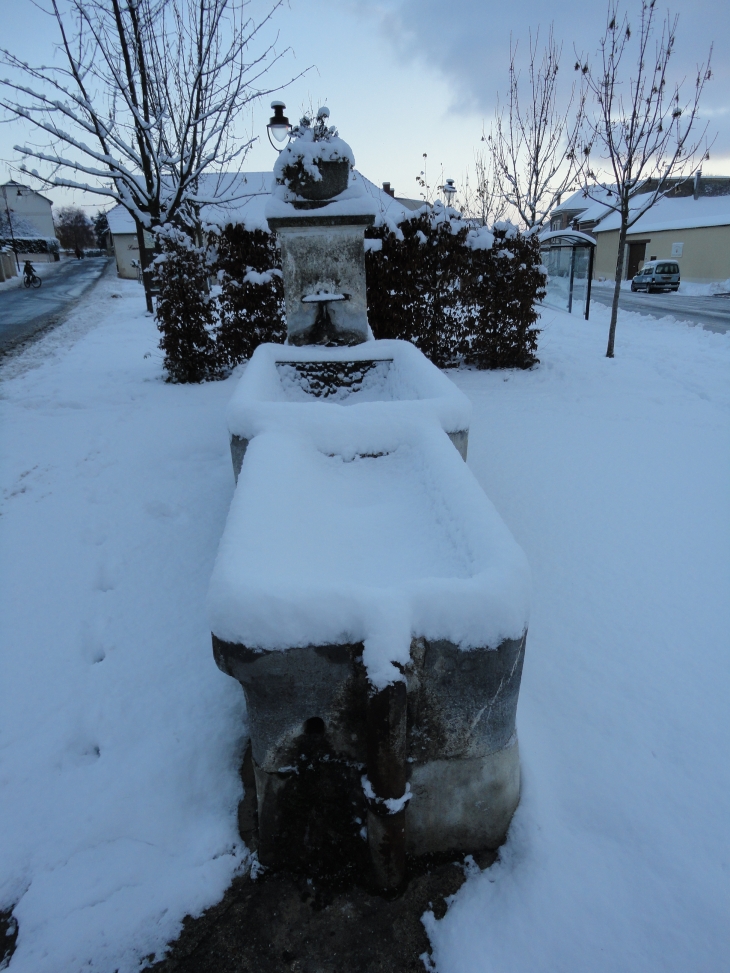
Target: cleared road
[[23, 312], [713, 313]]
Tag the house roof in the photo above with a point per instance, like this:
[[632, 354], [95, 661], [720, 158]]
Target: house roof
[[669, 213], [120, 221], [28, 190], [251, 191], [590, 210]]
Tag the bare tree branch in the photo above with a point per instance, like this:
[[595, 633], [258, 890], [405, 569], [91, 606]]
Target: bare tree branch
[[144, 102], [532, 140], [641, 127], [481, 199]]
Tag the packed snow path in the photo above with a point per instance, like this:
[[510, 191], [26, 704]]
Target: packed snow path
[[120, 739], [25, 311]]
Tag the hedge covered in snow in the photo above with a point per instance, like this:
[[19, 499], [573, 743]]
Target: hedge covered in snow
[[460, 294]]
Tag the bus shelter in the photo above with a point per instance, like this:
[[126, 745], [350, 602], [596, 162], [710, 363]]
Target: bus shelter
[[568, 258]]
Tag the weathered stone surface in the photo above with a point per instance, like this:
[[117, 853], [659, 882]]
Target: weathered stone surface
[[324, 259], [307, 711], [462, 704], [463, 804], [239, 445], [460, 439]]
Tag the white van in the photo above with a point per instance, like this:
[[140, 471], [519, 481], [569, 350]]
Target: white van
[[657, 275]]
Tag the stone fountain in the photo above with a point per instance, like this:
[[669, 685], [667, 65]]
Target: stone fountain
[[366, 594]]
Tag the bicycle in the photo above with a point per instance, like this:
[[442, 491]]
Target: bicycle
[[32, 280]]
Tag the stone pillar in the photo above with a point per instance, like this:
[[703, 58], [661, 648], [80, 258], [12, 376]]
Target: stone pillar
[[324, 256]]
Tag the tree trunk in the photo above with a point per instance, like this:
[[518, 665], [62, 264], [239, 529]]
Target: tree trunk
[[617, 286], [144, 263]]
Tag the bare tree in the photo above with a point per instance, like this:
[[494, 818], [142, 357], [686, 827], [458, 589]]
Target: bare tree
[[74, 229], [532, 141], [144, 102], [643, 130], [481, 198]]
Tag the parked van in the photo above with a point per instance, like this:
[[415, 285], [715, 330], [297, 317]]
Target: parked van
[[657, 275]]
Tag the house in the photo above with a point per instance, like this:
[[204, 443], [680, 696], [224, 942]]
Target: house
[[124, 241], [248, 192], [29, 215], [691, 225]]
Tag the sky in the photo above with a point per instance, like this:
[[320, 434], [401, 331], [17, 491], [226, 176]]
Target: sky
[[404, 78]]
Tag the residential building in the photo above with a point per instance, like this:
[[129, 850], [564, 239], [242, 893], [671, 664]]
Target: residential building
[[31, 219], [691, 225]]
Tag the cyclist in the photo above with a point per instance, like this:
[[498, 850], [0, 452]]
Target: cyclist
[[29, 270]]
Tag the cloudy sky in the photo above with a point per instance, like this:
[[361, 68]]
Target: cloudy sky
[[408, 77]]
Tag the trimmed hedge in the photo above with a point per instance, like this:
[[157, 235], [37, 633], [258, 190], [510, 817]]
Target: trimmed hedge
[[247, 266], [186, 313], [460, 294], [31, 244]]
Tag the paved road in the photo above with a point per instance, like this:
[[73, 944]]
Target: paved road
[[23, 312], [713, 313]]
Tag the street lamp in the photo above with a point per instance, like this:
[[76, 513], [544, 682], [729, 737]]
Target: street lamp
[[449, 191], [278, 125]]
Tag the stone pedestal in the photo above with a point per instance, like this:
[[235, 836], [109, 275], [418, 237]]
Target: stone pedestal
[[321, 256]]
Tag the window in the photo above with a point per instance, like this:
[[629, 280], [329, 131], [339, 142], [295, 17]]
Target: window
[[667, 269]]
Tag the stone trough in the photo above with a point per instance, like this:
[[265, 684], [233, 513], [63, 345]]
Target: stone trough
[[368, 598]]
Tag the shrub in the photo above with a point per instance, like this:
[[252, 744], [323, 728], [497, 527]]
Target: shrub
[[186, 313], [501, 290], [247, 266], [413, 281], [460, 294]]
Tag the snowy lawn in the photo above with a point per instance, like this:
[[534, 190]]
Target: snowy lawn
[[120, 739]]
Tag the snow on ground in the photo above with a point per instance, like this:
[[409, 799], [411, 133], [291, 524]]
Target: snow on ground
[[119, 738], [614, 476]]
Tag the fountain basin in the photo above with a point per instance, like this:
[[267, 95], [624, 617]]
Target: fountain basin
[[341, 570]]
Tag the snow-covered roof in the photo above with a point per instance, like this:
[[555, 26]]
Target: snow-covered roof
[[568, 237], [668, 213], [28, 191], [590, 210], [120, 221], [251, 190], [672, 213]]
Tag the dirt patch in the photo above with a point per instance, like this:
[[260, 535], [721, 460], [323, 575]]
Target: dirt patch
[[8, 937], [289, 923]]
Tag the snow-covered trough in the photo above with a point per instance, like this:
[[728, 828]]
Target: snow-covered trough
[[367, 596]]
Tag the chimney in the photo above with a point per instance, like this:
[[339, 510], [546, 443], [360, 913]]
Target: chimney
[[388, 190], [698, 178]]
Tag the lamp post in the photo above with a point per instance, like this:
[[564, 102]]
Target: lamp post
[[278, 125], [449, 191]]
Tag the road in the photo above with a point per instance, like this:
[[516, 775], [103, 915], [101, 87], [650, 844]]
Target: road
[[24, 312], [713, 313]]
